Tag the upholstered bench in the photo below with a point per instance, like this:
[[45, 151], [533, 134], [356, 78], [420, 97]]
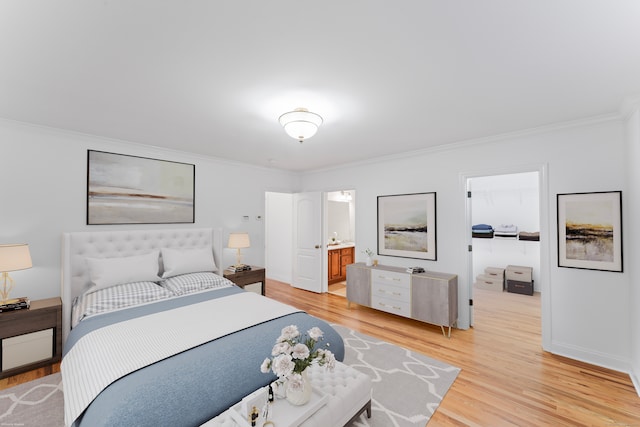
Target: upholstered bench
[[349, 394]]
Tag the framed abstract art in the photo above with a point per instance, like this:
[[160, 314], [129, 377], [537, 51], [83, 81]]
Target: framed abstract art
[[590, 230], [407, 226], [124, 189]]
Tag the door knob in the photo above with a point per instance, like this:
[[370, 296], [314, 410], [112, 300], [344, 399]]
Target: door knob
[[317, 246]]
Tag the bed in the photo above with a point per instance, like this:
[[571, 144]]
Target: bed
[[176, 346]]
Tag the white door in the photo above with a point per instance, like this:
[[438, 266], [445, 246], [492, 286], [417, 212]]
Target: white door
[[308, 242]]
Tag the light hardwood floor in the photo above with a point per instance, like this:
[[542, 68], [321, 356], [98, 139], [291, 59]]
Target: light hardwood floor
[[506, 378]]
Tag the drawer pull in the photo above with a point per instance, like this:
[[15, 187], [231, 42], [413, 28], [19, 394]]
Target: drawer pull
[[390, 306], [382, 291]]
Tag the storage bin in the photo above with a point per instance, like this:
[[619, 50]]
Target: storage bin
[[525, 288], [490, 283], [28, 348], [494, 272], [519, 273]]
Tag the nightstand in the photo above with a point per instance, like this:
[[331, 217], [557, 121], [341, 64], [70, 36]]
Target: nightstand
[[243, 278], [31, 338]]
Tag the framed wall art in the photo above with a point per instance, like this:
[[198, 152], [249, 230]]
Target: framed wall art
[[124, 189], [590, 230], [407, 225]]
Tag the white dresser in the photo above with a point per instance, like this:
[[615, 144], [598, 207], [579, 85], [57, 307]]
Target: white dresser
[[430, 297], [391, 292]]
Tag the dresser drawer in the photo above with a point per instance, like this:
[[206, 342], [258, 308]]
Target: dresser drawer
[[396, 293], [391, 278], [389, 305], [519, 273]]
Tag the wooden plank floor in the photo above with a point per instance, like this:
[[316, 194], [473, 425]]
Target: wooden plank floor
[[506, 378]]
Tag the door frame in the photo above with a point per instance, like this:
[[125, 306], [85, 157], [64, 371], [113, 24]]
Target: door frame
[[545, 238]]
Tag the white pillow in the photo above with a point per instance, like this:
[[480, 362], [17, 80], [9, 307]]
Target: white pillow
[[183, 261], [105, 272]]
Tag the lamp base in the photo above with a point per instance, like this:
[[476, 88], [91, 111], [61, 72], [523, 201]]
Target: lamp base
[[7, 285]]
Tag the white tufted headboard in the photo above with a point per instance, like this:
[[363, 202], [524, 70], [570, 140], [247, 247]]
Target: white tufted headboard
[[120, 243]]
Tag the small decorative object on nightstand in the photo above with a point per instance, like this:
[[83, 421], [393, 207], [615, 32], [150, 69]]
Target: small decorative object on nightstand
[[247, 277]]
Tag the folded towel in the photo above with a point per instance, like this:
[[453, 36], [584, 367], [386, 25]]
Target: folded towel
[[482, 235], [478, 227], [506, 228], [534, 236]]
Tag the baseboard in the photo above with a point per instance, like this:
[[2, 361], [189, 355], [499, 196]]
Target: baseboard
[[592, 357], [635, 381]]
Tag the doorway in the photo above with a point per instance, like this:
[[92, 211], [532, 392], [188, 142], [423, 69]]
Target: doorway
[[337, 231], [510, 204], [532, 188], [341, 240]]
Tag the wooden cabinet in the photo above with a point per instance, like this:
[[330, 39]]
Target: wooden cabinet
[[434, 298], [430, 297], [334, 266], [339, 258], [31, 338]]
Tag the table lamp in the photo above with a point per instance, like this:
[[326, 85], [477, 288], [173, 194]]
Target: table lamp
[[239, 241], [13, 257]]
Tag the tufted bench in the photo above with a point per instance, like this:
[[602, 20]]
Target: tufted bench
[[349, 396]]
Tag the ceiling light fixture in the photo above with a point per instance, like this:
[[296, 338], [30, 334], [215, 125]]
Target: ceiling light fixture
[[300, 123]]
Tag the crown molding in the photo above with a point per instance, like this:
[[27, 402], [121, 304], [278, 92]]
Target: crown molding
[[92, 138], [589, 121], [629, 105]]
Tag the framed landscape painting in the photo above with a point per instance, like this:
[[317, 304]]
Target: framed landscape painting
[[590, 230], [407, 225], [124, 189]]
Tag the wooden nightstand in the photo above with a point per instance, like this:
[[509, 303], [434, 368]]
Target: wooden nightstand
[[243, 278], [15, 327]]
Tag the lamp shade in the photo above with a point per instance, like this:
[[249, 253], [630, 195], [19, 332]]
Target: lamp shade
[[14, 257], [239, 240], [300, 123]]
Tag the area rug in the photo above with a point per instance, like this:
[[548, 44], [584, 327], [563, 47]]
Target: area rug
[[407, 387], [37, 403]]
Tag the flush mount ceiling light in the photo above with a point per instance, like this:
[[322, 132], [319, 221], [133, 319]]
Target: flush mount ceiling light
[[300, 123]]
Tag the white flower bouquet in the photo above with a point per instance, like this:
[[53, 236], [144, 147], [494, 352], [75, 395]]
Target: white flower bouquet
[[293, 353]]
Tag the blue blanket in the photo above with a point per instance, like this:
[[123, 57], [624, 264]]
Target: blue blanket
[[191, 387]]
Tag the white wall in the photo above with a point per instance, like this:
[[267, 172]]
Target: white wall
[[588, 311], [507, 199], [43, 178], [631, 200]]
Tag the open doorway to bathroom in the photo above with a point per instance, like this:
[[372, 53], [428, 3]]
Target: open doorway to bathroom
[[341, 238]]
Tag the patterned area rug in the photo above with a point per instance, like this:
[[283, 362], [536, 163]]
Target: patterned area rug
[[37, 403], [407, 387]]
